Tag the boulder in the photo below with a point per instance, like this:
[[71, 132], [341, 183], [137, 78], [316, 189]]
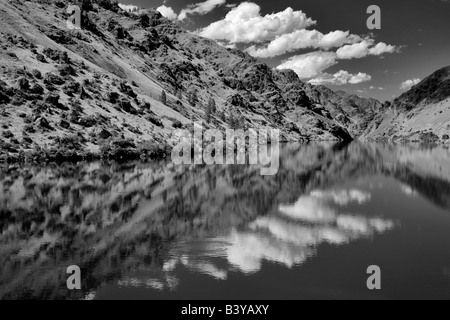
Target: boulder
[[104, 134], [64, 124], [53, 79], [23, 84]]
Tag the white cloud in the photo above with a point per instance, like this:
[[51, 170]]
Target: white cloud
[[244, 24], [128, 7], [381, 48], [363, 49], [200, 8], [311, 64], [285, 31], [356, 50], [340, 78], [167, 12], [301, 39], [408, 84]]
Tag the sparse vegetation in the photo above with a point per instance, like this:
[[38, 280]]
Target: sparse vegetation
[[163, 98]]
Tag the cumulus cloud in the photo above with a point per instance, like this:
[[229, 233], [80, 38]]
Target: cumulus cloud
[[200, 8], [311, 64], [363, 49], [245, 24], [287, 31], [408, 84], [381, 48], [302, 39], [356, 50], [167, 12], [340, 78], [128, 7]]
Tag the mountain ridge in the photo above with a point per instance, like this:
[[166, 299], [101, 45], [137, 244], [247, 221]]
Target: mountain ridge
[[77, 94], [103, 83]]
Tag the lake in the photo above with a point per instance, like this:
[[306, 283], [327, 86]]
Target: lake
[[160, 231]]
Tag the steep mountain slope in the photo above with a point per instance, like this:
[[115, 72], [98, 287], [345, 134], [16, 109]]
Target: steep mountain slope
[[98, 89], [420, 114], [354, 112]]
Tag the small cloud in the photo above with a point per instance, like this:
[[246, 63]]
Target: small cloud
[[408, 84], [376, 88], [340, 78], [128, 7], [311, 64], [363, 49], [200, 8], [167, 12]]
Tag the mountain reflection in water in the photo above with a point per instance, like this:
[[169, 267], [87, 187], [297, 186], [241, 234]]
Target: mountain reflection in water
[[159, 231]]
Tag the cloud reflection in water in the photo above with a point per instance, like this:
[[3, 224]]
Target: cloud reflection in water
[[288, 238]]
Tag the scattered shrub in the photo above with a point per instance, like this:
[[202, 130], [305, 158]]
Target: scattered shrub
[[177, 124], [155, 120], [7, 134]]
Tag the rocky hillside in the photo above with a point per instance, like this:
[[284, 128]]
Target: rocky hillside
[[354, 112], [420, 114], [98, 91]]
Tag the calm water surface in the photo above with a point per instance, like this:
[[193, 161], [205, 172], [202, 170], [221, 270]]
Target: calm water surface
[[157, 231]]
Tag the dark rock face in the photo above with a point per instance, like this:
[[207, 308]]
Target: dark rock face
[[104, 134], [113, 97], [37, 89], [126, 89], [52, 98], [44, 123], [341, 133], [23, 84], [64, 124]]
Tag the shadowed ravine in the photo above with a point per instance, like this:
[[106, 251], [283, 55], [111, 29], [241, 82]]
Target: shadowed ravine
[[153, 231]]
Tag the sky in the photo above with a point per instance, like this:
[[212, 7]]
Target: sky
[[327, 41]]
